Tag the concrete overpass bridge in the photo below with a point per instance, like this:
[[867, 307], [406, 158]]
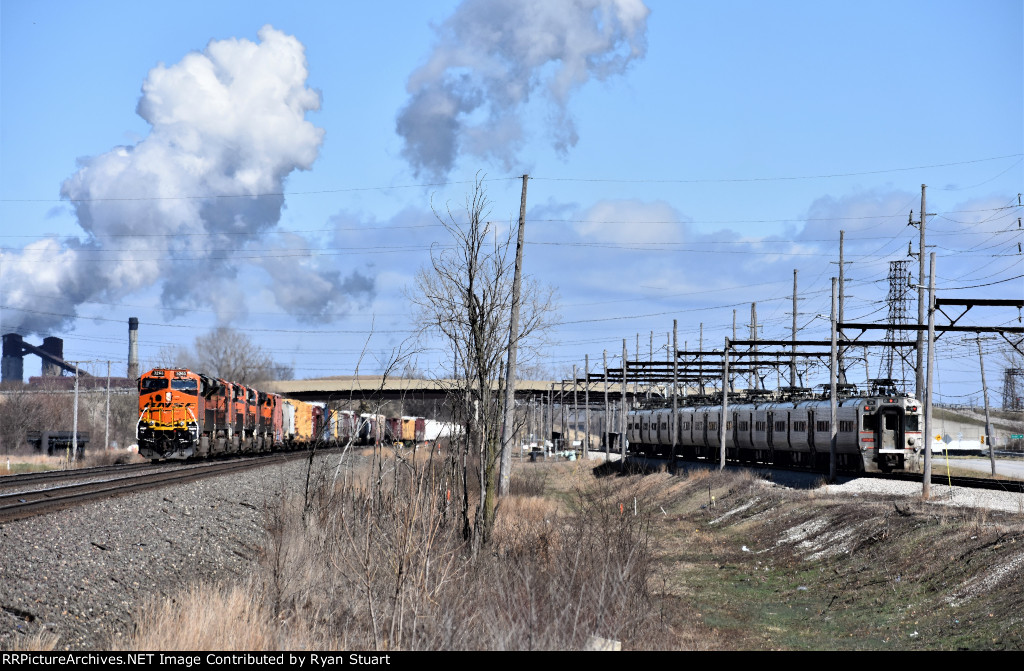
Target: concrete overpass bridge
[[378, 388]]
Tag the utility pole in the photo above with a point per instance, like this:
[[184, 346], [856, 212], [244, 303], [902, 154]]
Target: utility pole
[[106, 431], [622, 409], [551, 418], [561, 408], [74, 427], [926, 488], [753, 336], [920, 382], [792, 361], [833, 376], [607, 417], [504, 471], [700, 348], [675, 385], [586, 406], [988, 422], [842, 301], [575, 405], [725, 402]]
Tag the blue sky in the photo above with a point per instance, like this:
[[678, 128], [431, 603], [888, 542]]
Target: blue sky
[[684, 157]]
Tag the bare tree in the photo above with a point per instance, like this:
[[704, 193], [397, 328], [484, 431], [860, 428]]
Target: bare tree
[[465, 298], [227, 354]]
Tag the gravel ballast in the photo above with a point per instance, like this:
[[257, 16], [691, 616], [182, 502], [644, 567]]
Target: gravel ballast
[[81, 573]]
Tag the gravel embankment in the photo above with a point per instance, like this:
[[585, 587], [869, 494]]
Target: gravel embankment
[[82, 572], [940, 494]]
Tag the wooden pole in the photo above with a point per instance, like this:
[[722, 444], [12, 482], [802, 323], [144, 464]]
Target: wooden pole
[[725, 401], [504, 470], [833, 376], [926, 484], [586, 408]]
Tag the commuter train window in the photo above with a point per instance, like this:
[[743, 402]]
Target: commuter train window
[[800, 426], [890, 422], [186, 386], [845, 426], [744, 426], [912, 424], [151, 384], [780, 426], [822, 426], [870, 423]]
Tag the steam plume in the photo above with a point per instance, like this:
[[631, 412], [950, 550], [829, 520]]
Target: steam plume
[[182, 208], [492, 55]]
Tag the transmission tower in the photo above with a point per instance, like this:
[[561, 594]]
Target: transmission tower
[[899, 289], [1013, 389]]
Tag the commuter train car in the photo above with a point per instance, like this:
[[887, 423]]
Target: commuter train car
[[876, 433]]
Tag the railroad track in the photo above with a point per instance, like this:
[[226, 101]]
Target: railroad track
[[1014, 486], [27, 503], [52, 477]]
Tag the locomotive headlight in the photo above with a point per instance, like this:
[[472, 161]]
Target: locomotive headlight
[[910, 441], [168, 397]]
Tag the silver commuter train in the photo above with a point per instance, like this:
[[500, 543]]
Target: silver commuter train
[[876, 433]]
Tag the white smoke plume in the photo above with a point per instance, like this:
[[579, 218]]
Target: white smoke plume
[[183, 208], [493, 55]]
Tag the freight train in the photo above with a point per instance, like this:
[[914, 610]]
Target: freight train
[[184, 414], [876, 432]]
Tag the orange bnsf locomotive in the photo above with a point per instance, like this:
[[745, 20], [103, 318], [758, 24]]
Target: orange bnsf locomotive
[[184, 414]]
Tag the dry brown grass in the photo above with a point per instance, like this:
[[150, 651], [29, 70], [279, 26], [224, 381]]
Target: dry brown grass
[[207, 617], [41, 641], [24, 463]]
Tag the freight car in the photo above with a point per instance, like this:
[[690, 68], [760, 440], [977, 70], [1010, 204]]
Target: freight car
[[185, 414], [876, 432], [405, 431]]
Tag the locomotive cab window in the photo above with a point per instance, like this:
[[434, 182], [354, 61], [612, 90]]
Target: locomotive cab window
[[185, 386], [870, 422], [151, 384], [912, 424]]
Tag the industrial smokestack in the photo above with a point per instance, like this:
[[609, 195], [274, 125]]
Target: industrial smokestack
[[54, 347], [13, 366], [133, 348]]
